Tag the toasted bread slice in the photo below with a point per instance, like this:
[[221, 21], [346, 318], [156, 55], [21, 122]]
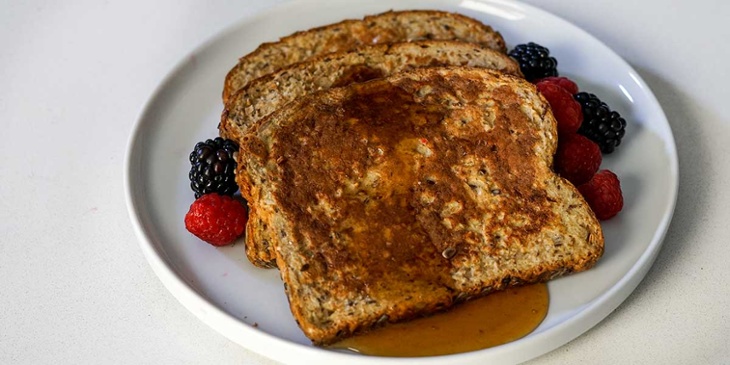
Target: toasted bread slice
[[389, 27], [262, 96], [398, 197]]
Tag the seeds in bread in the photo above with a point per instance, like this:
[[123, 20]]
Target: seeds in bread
[[388, 27], [391, 199]]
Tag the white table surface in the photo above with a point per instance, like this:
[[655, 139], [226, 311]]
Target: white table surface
[[76, 289]]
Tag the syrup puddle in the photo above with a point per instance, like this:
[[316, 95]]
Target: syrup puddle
[[477, 324]]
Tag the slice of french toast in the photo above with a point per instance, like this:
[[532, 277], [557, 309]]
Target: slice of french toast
[[262, 96], [388, 27], [398, 197]]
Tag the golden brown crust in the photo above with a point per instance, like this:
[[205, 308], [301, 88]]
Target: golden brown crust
[[388, 27], [393, 198]]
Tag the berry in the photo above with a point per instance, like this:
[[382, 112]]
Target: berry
[[577, 159], [535, 61], [603, 194], [216, 219], [563, 82], [565, 109], [213, 167], [600, 124]]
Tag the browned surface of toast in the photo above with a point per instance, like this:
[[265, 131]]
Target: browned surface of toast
[[264, 95], [389, 27], [396, 198]]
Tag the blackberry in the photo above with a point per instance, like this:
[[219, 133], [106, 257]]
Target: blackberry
[[535, 61], [600, 123], [213, 167]]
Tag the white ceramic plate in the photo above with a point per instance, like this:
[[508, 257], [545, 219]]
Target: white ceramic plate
[[248, 304]]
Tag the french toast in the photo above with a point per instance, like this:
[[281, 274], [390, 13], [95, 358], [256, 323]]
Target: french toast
[[402, 196], [262, 96], [388, 27]]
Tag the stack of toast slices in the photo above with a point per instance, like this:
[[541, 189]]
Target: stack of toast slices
[[396, 165]]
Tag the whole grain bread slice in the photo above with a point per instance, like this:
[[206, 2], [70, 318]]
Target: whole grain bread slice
[[262, 96], [388, 27], [399, 197]]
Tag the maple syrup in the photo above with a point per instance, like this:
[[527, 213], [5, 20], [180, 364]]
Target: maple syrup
[[481, 323]]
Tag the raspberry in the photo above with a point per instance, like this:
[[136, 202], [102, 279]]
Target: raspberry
[[561, 81], [565, 109], [603, 194], [577, 158], [216, 219]]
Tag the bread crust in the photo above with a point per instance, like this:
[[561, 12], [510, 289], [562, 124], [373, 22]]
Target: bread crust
[[399, 197], [388, 27]]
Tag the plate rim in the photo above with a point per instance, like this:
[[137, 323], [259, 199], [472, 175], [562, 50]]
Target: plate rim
[[259, 341]]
